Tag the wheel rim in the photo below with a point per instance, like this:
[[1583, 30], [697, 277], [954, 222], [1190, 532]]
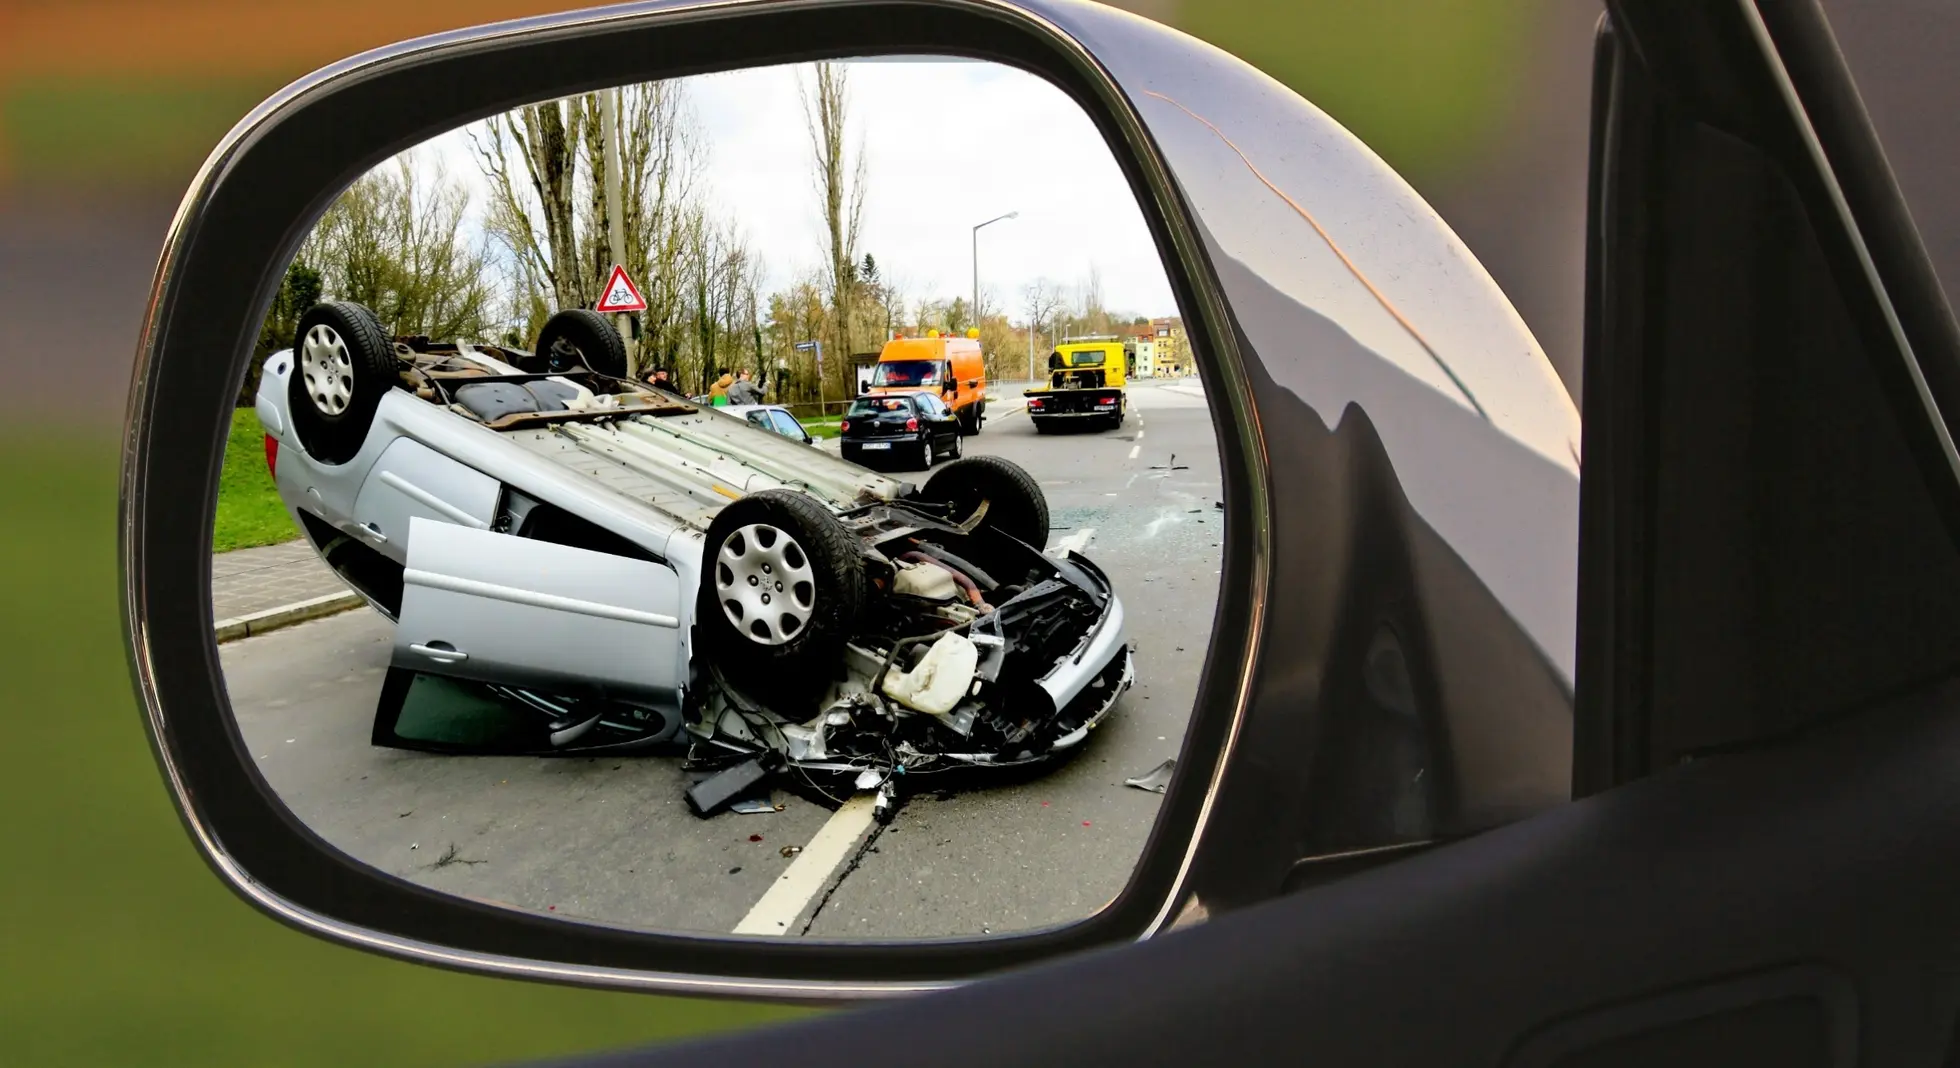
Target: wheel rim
[[327, 370], [765, 583]]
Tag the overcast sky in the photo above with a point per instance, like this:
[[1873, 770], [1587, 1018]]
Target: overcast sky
[[948, 144]]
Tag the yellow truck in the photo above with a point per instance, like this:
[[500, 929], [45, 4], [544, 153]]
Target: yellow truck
[[1085, 385]]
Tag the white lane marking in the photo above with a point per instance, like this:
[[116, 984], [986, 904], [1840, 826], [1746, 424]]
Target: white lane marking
[[1074, 543], [1134, 449], [1139, 435], [810, 872]]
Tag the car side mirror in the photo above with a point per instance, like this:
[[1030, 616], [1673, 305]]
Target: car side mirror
[[829, 664]]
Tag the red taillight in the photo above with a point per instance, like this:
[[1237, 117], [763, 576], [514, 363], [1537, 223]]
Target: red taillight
[[272, 455], [1035, 403], [911, 424]]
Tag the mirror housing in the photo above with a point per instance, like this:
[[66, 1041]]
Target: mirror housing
[[1481, 662]]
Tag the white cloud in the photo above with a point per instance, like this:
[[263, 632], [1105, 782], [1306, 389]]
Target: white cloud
[[948, 144]]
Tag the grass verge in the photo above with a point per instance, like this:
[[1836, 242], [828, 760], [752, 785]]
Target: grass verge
[[249, 510]]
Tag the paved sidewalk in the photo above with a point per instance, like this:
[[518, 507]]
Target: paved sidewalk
[[248, 582]]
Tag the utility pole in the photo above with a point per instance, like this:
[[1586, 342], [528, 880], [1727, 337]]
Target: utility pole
[[976, 260], [615, 218]]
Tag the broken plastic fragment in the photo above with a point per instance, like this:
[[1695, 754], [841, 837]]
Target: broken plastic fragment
[[1156, 780], [790, 850], [869, 779], [940, 679]]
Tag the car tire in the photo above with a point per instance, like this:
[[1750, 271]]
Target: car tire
[[580, 338], [959, 447], [926, 454], [342, 365], [1015, 504], [793, 643]]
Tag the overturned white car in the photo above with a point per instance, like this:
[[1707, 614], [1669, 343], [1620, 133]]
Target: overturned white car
[[575, 562]]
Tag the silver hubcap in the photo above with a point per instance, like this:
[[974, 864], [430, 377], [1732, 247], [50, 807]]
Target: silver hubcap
[[765, 584], [327, 370]]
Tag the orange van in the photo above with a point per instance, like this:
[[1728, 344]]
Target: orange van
[[952, 366]]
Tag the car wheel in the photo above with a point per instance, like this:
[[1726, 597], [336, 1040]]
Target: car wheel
[[342, 364], [782, 588], [580, 338], [959, 447], [926, 454], [1015, 504]]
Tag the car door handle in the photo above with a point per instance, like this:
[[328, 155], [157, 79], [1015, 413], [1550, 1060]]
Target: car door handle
[[441, 652], [374, 534]]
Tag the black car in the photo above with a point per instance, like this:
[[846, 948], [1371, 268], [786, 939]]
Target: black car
[[908, 430]]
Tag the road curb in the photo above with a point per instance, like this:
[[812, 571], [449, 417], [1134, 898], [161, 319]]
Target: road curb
[[286, 615]]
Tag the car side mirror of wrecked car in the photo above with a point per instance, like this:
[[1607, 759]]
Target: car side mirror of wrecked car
[[795, 680]]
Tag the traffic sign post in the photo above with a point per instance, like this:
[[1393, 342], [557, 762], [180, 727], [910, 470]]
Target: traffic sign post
[[806, 346], [620, 294]]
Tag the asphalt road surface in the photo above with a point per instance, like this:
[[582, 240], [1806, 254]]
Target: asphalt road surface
[[611, 838]]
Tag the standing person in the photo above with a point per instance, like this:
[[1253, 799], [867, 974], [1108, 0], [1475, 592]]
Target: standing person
[[663, 381], [718, 393], [744, 390]]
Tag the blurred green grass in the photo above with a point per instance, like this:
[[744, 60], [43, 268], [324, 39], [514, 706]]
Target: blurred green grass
[[249, 509], [1425, 83], [107, 131], [121, 947]]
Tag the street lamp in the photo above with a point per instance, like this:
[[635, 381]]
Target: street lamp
[[976, 260]]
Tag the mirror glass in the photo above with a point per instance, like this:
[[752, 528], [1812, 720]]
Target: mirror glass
[[779, 502]]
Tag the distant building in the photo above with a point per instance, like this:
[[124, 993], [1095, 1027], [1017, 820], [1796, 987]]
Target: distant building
[[1172, 354], [1143, 342]]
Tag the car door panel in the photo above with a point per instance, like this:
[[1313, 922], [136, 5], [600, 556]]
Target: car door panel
[[497, 608], [1764, 864], [412, 481]]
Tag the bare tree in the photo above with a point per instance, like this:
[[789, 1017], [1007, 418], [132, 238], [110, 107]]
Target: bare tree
[[545, 167], [530, 155], [391, 242], [1042, 301], [840, 183]]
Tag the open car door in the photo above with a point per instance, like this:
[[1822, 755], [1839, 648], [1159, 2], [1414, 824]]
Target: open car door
[[510, 644]]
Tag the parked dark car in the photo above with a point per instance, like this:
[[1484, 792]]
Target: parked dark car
[[909, 430]]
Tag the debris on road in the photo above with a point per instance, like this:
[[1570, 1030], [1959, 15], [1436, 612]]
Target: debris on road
[[790, 850], [753, 806], [712, 794], [1156, 780]]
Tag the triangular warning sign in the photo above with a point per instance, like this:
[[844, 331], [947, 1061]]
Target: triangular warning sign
[[621, 295]]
